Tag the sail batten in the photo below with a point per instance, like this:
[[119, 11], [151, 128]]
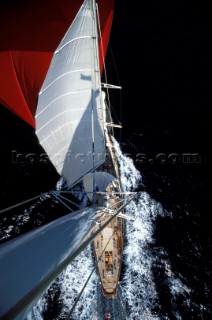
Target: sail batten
[[69, 113]]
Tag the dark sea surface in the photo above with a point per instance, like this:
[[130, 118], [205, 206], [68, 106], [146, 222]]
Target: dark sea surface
[[161, 54], [177, 247]]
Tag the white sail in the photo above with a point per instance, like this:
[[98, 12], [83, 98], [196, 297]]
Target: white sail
[[69, 115], [102, 180]]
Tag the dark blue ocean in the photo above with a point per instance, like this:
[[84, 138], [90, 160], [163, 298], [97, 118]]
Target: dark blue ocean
[[166, 270]]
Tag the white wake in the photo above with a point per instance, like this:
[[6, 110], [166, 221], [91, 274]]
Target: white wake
[[138, 287], [71, 283], [138, 283]]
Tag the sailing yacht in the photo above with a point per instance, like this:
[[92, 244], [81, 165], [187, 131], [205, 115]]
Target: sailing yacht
[[75, 128], [108, 244]]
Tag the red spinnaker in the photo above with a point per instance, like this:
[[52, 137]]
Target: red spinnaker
[[30, 32]]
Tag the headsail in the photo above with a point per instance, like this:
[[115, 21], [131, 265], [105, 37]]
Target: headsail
[[69, 114], [30, 33]]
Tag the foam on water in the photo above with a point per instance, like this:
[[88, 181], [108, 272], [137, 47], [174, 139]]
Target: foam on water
[[11, 225], [71, 283], [138, 283], [138, 286]]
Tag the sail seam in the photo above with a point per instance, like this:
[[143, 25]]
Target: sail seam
[[64, 74], [75, 39], [69, 110], [59, 97], [59, 128], [52, 120], [63, 148]]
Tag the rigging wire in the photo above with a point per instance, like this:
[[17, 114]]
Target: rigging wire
[[103, 59], [83, 288], [97, 65], [114, 63], [68, 317], [102, 52], [20, 306], [21, 203], [106, 78], [120, 93], [68, 200], [58, 198]]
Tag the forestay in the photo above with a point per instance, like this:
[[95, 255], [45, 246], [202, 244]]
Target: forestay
[[69, 114]]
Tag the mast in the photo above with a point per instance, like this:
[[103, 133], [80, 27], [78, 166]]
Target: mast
[[96, 74], [54, 246]]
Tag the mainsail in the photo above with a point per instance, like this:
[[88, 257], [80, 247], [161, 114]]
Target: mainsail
[[69, 114]]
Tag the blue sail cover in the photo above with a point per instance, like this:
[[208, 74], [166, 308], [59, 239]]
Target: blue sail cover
[[29, 263]]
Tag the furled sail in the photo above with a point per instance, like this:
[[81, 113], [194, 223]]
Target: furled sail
[[69, 116]]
